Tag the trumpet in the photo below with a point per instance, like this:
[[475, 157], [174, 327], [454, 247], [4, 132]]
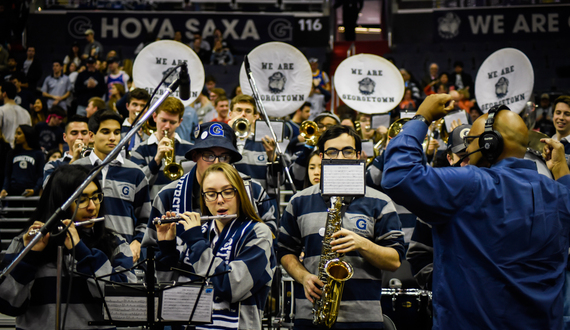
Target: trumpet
[[172, 169], [86, 150], [396, 128], [34, 232], [241, 127], [161, 221], [310, 131], [147, 127]]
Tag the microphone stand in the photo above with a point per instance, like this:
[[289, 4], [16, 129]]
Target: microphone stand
[[53, 220], [261, 107]]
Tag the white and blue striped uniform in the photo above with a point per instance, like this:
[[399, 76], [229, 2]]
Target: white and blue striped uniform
[[29, 291], [51, 166], [373, 217], [144, 154], [127, 205], [245, 249], [254, 161]]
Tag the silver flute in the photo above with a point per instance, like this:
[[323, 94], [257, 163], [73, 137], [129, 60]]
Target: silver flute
[[160, 221], [34, 232]]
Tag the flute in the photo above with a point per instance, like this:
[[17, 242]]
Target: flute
[[34, 232], [160, 221]]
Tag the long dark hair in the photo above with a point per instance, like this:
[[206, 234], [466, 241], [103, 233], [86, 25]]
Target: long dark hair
[[31, 137], [61, 184]]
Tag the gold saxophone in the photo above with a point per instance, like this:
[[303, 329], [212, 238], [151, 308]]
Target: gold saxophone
[[333, 272]]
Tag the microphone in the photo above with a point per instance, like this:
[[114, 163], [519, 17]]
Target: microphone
[[184, 78], [458, 164]]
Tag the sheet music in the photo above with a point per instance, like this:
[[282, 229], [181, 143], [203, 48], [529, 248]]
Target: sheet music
[[125, 308], [368, 147], [343, 180], [178, 302], [261, 129], [407, 114], [380, 120], [457, 116]]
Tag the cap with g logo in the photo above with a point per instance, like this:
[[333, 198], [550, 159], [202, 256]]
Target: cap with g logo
[[215, 134]]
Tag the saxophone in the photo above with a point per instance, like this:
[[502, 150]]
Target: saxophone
[[333, 272]]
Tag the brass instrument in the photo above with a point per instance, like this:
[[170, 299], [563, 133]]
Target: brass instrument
[[396, 128], [333, 271], [241, 127], [442, 134], [86, 150], [310, 131], [147, 127], [172, 170]]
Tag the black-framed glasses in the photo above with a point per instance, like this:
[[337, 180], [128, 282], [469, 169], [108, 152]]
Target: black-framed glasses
[[211, 157], [348, 152], [97, 198], [468, 139], [321, 126], [212, 196]]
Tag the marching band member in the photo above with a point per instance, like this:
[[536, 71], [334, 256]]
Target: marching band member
[[503, 253], [370, 238], [150, 154], [29, 291], [241, 246], [215, 143]]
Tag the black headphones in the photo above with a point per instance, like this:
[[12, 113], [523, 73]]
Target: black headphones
[[491, 141]]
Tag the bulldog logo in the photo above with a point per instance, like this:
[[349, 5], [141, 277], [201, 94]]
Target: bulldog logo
[[366, 86], [277, 82], [448, 26], [170, 78], [502, 87]]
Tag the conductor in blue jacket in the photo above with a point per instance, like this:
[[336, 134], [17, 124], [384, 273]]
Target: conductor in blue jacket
[[500, 229]]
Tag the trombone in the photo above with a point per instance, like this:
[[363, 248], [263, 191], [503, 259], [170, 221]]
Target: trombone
[[172, 170]]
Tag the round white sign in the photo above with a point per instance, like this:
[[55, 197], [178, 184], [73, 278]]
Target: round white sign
[[158, 58], [282, 75], [369, 83], [505, 77]]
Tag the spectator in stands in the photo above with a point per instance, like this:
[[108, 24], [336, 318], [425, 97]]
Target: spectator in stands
[[5, 149], [72, 57], [236, 91], [95, 104], [137, 99], [90, 83], [439, 85], [32, 70], [431, 76], [544, 110], [218, 35], [215, 93], [204, 108], [24, 165], [178, 36], [57, 87], [116, 93], [50, 132], [4, 54], [11, 114], [320, 78], [11, 69], [204, 44], [222, 106], [460, 79], [53, 155], [76, 136], [92, 250], [410, 83], [408, 102], [221, 55], [318, 97], [115, 76], [210, 82], [24, 97], [93, 47], [199, 46], [39, 111], [464, 102]]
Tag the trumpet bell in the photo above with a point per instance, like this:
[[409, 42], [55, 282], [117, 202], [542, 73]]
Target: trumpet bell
[[173, 171], [241, 127], [310, 131]]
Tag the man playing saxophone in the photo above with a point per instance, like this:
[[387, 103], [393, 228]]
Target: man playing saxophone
[[370, 239]]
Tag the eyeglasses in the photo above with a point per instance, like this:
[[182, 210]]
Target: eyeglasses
[[321, 126], [468, 139], [211, 157], [97, 198], [212, 196], [348, 152]]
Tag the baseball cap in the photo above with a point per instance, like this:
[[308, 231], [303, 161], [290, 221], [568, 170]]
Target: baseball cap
[[544, 96], [215, 134], [89, 31], [455, 141], [91, 59]]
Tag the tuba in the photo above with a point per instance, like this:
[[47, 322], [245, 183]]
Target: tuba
[[333, 271], [310, 131], [172, 170]]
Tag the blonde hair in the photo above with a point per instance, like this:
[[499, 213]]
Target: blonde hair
[[245, 207]]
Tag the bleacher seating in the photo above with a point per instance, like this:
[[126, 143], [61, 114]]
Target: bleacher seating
[[14, 213]]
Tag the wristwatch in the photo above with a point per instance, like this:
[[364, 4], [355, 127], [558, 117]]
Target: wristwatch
[[421, 118]]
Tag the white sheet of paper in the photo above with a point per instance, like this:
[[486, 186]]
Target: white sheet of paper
[[457, 116], [261, 130], [125, 308], [178, 302], [368, 147], [381, 120], [343, 180], [407, 114]]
